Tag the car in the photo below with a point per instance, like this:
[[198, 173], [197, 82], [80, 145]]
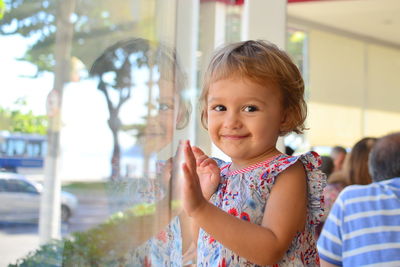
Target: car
[[20, 199]]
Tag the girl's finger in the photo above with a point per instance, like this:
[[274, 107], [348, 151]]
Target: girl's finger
[[200, 160], [215, 169], [209, 161], [189, 157], [197, 151]]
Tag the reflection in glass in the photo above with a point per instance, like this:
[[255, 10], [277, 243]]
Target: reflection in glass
[[138, 77], [141, 79], [143, 89]]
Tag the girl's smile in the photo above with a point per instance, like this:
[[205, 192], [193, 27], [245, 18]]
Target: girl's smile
[[234, 137]]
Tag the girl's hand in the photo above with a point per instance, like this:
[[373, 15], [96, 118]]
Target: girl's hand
[[208, 172], [193, 199]]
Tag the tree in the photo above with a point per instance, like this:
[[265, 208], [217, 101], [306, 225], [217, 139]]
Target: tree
[[114, 69], [16, 120], [2, 7], [96, 26]]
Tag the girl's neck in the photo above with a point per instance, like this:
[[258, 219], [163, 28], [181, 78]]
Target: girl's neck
[[240, 163]]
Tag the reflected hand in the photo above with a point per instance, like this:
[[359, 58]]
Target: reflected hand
[[208, 172]]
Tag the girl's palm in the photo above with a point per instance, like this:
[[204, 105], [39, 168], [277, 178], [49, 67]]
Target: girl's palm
[[208, 172]]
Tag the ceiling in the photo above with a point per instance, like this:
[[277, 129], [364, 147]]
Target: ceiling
[[377, 20]]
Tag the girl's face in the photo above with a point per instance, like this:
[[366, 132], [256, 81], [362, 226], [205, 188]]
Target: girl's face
[[244, 119], [161, 120]]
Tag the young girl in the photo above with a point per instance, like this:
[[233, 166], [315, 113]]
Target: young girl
[[261, 208]]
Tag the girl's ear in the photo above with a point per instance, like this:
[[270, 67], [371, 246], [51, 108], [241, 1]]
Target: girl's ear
[[285, 123]]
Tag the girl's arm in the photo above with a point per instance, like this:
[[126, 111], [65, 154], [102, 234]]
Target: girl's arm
[[327, 264], [209, 178], [284, 215]]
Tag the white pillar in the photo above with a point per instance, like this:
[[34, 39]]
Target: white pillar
[[265, 20], [166, 22], [187, 32], [212, 28]]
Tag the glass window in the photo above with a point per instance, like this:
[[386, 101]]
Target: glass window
[[19, 186], [15, 147], [33, 149], [297, 47], [3, 186], [106, 76]]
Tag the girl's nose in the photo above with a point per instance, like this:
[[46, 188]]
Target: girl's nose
[[232, 120]]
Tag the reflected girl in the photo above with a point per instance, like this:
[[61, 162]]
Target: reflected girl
[[147, 198]]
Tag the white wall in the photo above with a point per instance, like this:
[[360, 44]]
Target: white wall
[[354, 88]]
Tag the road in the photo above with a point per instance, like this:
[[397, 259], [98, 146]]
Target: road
[[17, 240]]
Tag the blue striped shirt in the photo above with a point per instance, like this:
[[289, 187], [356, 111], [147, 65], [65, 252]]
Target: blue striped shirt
[[363, 227]]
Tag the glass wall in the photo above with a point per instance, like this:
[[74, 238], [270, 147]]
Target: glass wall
[[297, 48], [100, 87], [95, 97]]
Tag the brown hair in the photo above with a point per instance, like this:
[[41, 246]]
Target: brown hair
[[357, 163], [261, 62]]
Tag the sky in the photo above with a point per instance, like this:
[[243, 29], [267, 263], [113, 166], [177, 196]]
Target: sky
[[13, 86], [86, 142]]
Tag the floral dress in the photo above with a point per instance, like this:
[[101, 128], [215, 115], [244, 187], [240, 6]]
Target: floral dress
[[244, 193], [165, 248]]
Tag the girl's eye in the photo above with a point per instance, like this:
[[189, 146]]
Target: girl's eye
[[219, 108], [250, 108], [164, 107]]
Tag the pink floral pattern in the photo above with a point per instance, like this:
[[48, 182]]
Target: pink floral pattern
[[244, 194]]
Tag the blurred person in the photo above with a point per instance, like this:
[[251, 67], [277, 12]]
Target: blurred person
[[354, 171], [362, 228], [327, 165], [338, 154], [356, 167]]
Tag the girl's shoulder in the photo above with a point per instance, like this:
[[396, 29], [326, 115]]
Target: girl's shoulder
[[316, 180], [310, 160]]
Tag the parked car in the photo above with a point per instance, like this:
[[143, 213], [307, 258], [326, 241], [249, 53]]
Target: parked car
[[20, 199]]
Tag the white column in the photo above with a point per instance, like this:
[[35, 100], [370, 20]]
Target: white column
[[187, 32], [265, 20], [212, 28], [166, 22]]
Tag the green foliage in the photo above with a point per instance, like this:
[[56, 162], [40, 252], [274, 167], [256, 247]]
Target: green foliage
[[2, 8], [16, 120], [96, 24], [295, 47], [48, 255], [85, 186], [104, 245]]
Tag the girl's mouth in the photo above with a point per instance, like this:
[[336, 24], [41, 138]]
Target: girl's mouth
[[234, 137]]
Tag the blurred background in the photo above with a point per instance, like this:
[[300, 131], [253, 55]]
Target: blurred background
[[95, 96]]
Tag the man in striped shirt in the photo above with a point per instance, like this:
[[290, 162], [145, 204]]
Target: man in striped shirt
[[363, 227]]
